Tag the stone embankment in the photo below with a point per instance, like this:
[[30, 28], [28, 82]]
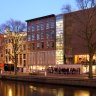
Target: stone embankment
[[75, 80]]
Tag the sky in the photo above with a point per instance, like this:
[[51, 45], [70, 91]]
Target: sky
[[28, 9]]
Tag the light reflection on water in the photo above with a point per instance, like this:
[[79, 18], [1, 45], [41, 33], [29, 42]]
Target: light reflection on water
[[10, 88]]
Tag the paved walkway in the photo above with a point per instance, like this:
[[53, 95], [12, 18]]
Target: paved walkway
[[75, 76]]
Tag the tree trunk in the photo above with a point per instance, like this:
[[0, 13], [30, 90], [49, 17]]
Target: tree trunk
[[15, 65], [90, 66]]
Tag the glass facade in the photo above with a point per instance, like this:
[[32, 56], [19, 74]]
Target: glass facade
[[59, 40]]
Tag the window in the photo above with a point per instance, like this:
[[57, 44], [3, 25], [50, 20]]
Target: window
[[48, 44], [29, 37], [24, 56], [33, 36], [42, 45], [20, 59], [52, 34], [24, 62], [33, 28], [42, 26], [52, 44], [52, 23], [38, 45], [42, 35], [47, 35], [38, 27], [47, 25], [38, 36]]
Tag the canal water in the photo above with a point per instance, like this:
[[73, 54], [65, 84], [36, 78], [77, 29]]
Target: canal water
[[12, 88]]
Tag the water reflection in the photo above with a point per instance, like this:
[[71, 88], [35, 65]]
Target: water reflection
[[10, 88]]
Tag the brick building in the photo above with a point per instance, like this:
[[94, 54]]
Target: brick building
[[41, 41]]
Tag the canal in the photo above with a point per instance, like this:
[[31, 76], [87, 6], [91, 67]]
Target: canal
[[12, 88]]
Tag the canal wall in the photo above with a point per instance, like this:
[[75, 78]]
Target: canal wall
[[52, 80]]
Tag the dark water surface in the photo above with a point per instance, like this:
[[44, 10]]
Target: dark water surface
[[12, 88]]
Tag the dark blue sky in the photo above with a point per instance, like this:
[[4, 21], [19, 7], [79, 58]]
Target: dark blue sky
[[28, 9]]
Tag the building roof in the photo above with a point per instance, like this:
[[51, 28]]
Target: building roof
[[52, 15]]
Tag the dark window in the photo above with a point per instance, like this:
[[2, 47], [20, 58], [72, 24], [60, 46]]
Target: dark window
[[24, 56], [20, 59], [24, 62], [52, 44], [52, 34], [42, 44]]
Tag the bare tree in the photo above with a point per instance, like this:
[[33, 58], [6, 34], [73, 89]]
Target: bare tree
[[15, 35], [85, 4], [86, 20], [66, 8]]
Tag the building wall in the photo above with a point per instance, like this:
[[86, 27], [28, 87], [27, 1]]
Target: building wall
[[1, 50], [41, 37], [76, 25], [21, 51]]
